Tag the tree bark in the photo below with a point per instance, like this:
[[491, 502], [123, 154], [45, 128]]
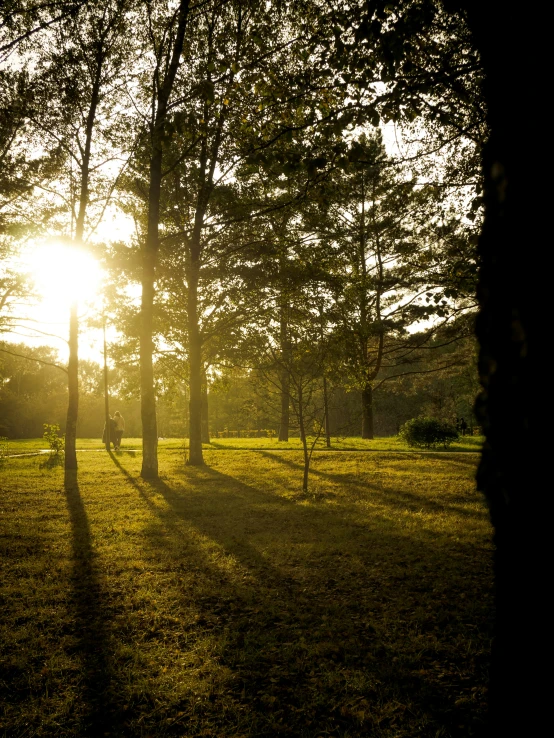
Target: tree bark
[[512, 289], [73, 343], [284, 421], [106, 390], [73, 390], [149, 468], [326, 411], [367, 412], [303, 438], [195, 367], [204, 410], [150, 256]]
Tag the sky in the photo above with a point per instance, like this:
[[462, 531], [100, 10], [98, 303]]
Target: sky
[[61, 275]]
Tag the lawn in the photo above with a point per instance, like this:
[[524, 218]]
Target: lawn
[[465, 443], [222, 602]]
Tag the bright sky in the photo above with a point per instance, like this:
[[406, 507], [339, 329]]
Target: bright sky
[[62, 274]]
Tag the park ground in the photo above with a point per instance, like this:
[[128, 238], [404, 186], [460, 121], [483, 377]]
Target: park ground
[[222, 601]]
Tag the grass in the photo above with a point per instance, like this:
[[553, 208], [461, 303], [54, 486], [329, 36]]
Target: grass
[[465, 443], [221, 602]]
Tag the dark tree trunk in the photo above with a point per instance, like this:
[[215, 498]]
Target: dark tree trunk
[[326, 411], [73, 391], [150, 256], [367, 412], [284, 422], [73, 363], [512, 358], [149, 468], [204, 410], [195, 368], [303, 439], [106, 391]]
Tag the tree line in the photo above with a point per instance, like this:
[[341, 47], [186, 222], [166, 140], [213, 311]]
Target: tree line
[[456, 70], [33, 391], [273, 233]]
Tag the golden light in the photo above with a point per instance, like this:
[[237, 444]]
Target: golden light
[[64, 273]]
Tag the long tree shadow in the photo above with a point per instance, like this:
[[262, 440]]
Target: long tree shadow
[[291, 629], [395, 495], [235, 544], [87, 598], [282, 630], [52, 461]]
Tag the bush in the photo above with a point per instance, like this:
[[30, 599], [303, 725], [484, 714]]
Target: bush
[[52, 437], [428, 433]]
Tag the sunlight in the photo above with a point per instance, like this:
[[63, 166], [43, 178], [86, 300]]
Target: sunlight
[[62, 273]]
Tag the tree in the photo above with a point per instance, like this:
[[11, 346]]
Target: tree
[[20, 20], [32, 389], [233, 102], [165, 36], [19, 170], [304, 364], [388, 241], [77, 59], [512, 355]]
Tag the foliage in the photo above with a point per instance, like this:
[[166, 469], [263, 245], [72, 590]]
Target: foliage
[[425, 432], [52, 437], [3, 447], [265, 191]]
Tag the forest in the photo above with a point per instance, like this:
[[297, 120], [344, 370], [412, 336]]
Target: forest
[[278, 258], [299, 218]]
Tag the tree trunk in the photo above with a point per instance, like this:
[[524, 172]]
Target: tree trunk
[[204, 410], [367, 412], [512, 292], [150, 256], [195, 367], [304, 440], [106, 392], [149, 468], [284, 422], [326, 411], [73, 390], [73, 363]]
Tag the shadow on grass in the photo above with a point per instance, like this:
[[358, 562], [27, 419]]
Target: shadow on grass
[[91, 621], [311, 613], [381, 493], [52, 461]]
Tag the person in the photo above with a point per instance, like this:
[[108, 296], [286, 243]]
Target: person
[[111, 439], [119, 423], [463, 426]]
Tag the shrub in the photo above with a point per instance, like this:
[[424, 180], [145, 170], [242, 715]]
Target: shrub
[[52, 437], [428, 433]]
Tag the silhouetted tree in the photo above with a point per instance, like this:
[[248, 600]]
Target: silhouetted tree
[[511, 292]]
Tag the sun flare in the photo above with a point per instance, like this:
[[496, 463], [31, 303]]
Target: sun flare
[[63, 273]]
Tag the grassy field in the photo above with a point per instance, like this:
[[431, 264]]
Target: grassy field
[[466, 443], [222, 602]]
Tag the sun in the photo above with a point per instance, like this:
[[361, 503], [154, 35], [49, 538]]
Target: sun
[[63, 273], [60, 274]]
